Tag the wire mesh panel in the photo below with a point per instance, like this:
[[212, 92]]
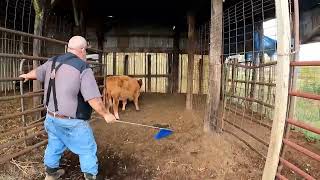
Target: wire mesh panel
[[249, 38]]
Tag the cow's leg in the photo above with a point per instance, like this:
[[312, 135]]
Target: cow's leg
[[116, 107], [124, 103], [136, 98]]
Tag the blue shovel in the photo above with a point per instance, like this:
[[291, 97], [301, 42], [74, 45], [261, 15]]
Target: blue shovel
[[162, 133]]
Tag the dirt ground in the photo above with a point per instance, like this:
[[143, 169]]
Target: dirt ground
[[129, 152]]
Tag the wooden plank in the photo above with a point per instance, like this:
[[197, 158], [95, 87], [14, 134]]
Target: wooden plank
[[282, 80], [126, 63], [175, 61], [170, 79], [201, 76], [293, 75], [114, 64], [149, 72], [213, 100], [191, 45]]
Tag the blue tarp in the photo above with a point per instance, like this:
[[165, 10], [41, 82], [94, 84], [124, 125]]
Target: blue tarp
[[269, 47]]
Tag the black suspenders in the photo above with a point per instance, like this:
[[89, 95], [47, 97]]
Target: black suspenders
[[52, 81]]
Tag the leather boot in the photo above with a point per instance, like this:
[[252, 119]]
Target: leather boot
[[88, 176], [54, 174]]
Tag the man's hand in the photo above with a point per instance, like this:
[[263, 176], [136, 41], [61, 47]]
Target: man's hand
[[29, 76], [109, 118], [25, 77]]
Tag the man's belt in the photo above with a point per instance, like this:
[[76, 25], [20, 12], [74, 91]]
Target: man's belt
[[59, 115]]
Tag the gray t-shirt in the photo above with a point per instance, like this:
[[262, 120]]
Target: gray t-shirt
[[75, 85]]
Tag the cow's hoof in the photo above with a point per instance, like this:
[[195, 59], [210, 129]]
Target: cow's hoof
[[137, 109]]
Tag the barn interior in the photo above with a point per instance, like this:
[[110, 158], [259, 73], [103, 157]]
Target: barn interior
[[222, 123]]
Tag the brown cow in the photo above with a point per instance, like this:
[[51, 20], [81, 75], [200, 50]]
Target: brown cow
[[121, 88]]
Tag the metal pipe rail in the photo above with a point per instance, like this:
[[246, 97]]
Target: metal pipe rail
[[296, 169], [305, 95], [22, 152], [10, 143], [40, 37], [247, 132], [304, 125], [253, 67], [302, 149], [21, 113], [252, 82]]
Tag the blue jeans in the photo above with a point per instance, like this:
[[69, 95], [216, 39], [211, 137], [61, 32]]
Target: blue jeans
[[74, 134]]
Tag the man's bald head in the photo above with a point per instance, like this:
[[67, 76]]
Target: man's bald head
[[78, 45]]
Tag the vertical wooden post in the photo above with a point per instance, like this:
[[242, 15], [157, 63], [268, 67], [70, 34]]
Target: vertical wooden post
[[261, 70], [282, 80], [175, 61], [149, 72], [213, 100], [114, 63], [126, 63], [201, 75], [293, 75], [100, 37], [170, 78], [191, 41], [39, 8]]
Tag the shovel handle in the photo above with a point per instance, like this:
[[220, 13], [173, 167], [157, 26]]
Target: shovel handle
[[125, 122]]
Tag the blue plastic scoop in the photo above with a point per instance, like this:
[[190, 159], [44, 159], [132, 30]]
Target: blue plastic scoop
[[162, 133]]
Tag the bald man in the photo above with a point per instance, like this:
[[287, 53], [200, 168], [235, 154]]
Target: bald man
[[70, 93]]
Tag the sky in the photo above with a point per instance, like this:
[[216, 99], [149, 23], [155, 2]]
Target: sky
[[308, 52]]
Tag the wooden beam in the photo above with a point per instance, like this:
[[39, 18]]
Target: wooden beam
[[149, 72], [282, 81], [39, 8], [175, 61], [211, 117], [201, 75], [114, 63], [126, 65], [191, 45], [293, 75], [170, 79]]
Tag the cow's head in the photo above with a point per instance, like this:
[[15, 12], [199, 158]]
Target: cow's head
[[140, 82]]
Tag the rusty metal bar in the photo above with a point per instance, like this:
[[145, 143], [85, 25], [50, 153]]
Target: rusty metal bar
[[281, 177], [6, 158], [305, 95], [302, 149], [10, 79], [252, 82], [2, 146], [19, 56], [23, 113], [304, 125], [21, 129], [40, 37], [305, 63], [36, 121], [254, 67], [245, 142], [252, 100], [245, 131], [296, 169], [6, 98], [248, 117]]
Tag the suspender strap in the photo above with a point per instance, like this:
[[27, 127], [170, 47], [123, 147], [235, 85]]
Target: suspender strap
[[52, 81]]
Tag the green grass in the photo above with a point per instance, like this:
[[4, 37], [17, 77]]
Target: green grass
[[309, 110]]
